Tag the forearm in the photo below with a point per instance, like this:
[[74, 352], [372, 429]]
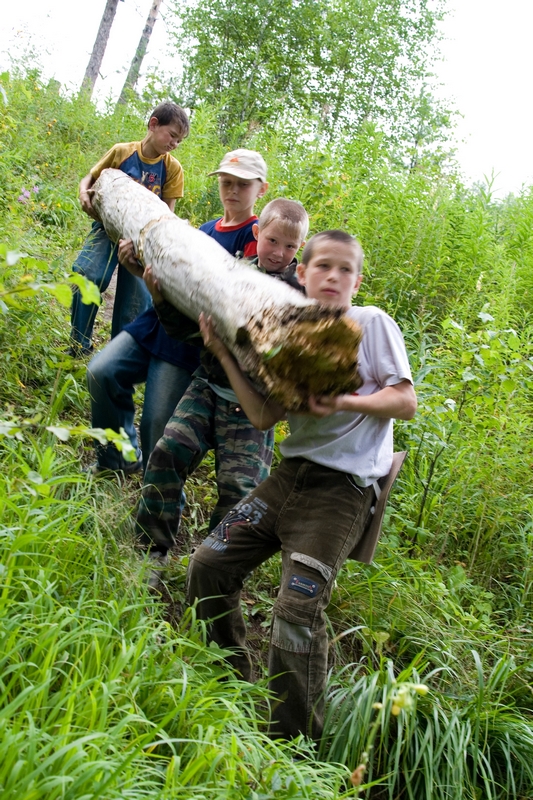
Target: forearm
[[392, 402], [262, 413], [86, 183], [171, 203]]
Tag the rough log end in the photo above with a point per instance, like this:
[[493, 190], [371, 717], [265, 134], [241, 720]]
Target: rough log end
[[315, 354]]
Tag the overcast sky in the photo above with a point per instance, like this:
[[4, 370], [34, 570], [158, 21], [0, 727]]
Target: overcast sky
[[485, 68]]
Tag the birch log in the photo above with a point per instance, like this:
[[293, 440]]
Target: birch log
[[291, 346]]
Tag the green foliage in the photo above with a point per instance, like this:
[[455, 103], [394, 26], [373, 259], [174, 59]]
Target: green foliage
[[102, 697], [433, 745], [343, 63], [99, 697]]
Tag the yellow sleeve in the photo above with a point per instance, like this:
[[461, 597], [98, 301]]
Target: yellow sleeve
[[173, 186], [113, 158]]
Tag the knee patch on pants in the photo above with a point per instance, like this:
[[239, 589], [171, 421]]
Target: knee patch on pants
[[290, 636]]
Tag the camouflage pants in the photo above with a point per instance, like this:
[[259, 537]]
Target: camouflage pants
[[201, 421]]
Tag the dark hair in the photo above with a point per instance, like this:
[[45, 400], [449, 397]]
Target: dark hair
[[335, 235], [166, 113]]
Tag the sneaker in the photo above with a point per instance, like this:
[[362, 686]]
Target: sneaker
[[129, 469], [157, 563]]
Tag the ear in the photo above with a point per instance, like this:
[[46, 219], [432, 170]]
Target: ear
[[300, 274], [263, 190], [358, 283], [255, 230], [153, 124]]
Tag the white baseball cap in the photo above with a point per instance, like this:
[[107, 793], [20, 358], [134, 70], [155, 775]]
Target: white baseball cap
[[248, 164]]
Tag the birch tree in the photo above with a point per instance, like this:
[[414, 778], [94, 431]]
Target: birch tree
[[100, 44], [344, 61], [135, 68]]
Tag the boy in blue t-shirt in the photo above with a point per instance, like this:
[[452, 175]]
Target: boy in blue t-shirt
[[150, 163], [143, 352]]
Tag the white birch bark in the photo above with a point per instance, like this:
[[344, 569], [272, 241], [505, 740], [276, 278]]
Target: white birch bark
[[292, 346]]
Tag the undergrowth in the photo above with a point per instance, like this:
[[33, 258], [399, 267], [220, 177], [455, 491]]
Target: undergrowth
[[107, 692]]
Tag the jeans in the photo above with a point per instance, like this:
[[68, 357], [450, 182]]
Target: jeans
[[315, 515], [202, 421], [97, 261], [111, 378]]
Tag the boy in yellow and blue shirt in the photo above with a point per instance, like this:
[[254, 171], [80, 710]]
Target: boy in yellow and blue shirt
[[150, 163]]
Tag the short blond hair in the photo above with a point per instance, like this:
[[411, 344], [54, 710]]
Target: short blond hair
[[335, 235], [289, 213]]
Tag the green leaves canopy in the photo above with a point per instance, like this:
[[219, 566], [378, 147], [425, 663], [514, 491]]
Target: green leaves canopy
[[344, 61]]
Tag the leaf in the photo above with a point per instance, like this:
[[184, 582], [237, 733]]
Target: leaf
[[61, 291], [273, 352], [508, 385], [468, 375], [450, 323], [62, 433], [89, 290], [9, 428], [12, 256]]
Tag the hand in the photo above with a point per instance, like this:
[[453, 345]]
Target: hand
[[86, 203], [128, 259], [211, 340], [325, 405], [152, 284]]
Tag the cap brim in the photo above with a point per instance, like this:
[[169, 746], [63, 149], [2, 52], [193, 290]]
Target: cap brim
[[239, 173]]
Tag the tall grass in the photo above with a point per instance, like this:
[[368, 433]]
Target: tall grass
[[100, 696], [435, 746]]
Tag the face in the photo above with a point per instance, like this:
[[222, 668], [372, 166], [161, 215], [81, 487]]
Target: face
[[275, 247], [331, 276], [237, 194], [164, 138]]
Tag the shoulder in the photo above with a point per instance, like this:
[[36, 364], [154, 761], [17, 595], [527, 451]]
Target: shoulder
[[382, 350], [369, 316], [172, 164], [236, 239], [124, 149], [377, 326], [289, 276], [114, 157], [207, 227]]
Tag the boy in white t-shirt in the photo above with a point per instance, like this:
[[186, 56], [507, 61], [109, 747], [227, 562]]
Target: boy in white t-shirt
[[315, 505]]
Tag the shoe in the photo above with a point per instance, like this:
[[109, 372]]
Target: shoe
[[77, 351], [129, 469], [157, 563]]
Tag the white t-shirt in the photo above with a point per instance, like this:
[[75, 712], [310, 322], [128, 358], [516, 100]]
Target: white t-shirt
[[358, 444]]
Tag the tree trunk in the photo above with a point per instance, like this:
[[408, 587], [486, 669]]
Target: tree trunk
[[290, 345], [133, 74], [100, 44]]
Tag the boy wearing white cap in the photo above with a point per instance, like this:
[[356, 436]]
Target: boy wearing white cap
[[241, 181]]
